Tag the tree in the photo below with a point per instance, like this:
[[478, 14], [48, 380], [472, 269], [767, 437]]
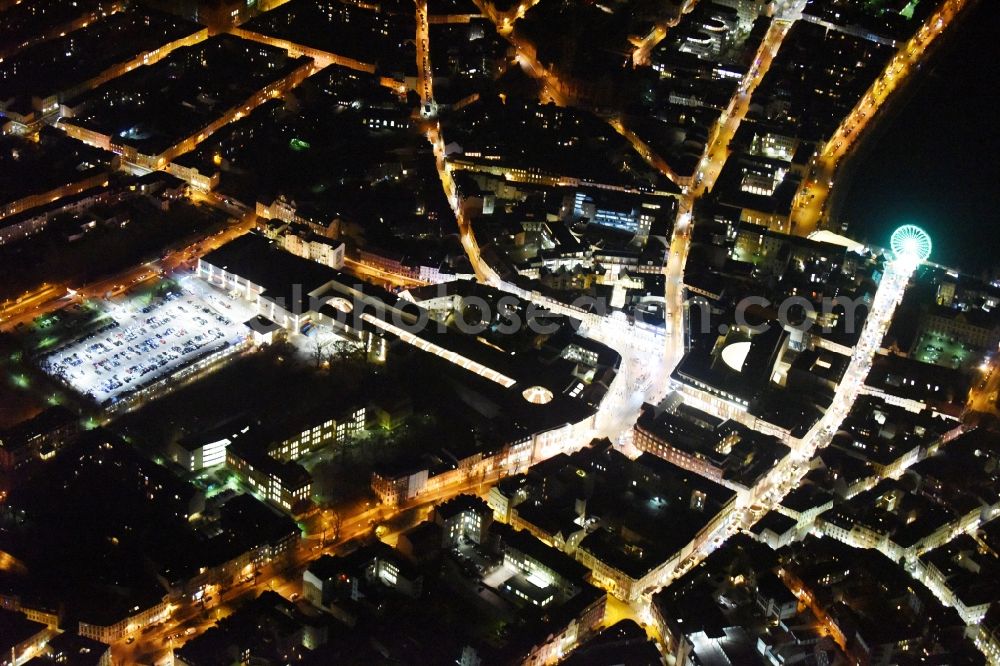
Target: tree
[[347, 351], [335, 523], [319, 350]]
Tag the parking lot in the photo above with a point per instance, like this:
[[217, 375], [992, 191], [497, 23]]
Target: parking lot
[[142, 340], [942, 350]]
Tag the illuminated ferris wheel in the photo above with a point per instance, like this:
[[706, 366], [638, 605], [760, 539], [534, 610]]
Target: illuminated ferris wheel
[[910, 243]]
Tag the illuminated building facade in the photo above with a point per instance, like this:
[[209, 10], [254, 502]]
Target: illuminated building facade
[[247, 537], [987, 636], [626, 220], [38, 438], [395, 486], [284, 288], [206, 449], [463, 517], [20, 638], [283, 483], [332, 579], [320, 249], [312, 438], [119, 624]]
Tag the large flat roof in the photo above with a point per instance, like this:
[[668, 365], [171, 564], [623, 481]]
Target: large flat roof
[[286, 278]]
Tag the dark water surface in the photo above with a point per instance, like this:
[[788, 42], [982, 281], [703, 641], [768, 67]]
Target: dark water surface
[[935, 161]]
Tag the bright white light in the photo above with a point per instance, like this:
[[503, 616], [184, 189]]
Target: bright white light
[[910, 243], [537, 395], [735, 354], [145, 346]]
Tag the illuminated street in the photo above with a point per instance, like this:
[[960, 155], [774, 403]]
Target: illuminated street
[[787, 476], [641, 54], [810, 206], [53, 298]]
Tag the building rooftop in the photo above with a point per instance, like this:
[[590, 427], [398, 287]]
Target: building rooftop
[[773, 521], [550, 141], [60, 65], [55, 160], [864, 591], [661, 506], [971, 574], [288, 280], [820, 87], [71, 649], [556, 560], [882, 433], [461, 504], [265, 628], [805, 498], [25, 23], [155, 107], [354, 563], [15, 629], [52, 418], [362, 32], [253, 450], [712, 604], [939, 387], [624, 642], [964, 474], [740, 454]]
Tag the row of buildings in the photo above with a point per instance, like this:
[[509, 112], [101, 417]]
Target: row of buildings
[[552, 409], [632, 523]]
